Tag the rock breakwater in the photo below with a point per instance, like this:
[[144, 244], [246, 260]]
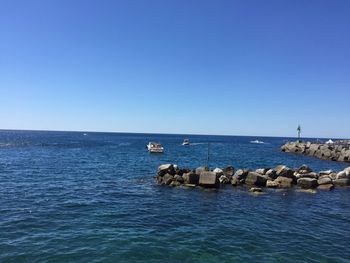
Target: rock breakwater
[[280, 176], [338, 151]]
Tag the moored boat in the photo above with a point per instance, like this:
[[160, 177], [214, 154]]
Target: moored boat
[[155, 147], [186, 142]]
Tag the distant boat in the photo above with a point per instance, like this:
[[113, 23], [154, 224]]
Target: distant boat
[[186, 142], [329, 141], [257, 141], [154, 147], [85, 134]]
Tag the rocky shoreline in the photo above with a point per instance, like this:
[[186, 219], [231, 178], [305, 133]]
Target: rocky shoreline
[[337, 151], [279, 177]]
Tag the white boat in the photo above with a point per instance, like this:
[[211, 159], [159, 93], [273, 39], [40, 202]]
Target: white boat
[[329, 141], [186, 142], [154, 147], [257, 141]]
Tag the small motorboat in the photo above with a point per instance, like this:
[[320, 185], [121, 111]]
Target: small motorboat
[[186, 142], [155, 147], [257, 141]]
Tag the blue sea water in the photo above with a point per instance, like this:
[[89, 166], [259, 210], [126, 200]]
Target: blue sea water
[[70, 197]]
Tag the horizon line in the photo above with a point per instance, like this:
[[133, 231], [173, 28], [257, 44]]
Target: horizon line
[[159, 133]]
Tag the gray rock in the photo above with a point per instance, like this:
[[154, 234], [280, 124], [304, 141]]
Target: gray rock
[[167, 179], [229, 171], [342, 175], [271, 174], [284, 182], [272, 184], [304, 169], [255, 189], [179, 178], [159, 179], [324, 180], [333, 176], [324, 176], [235, 180], [241, 173], [166, 169], [208, 179], [201, 169], [347, 171], [342, 182], [307, 183], [223, 179], [254, 178], [282, 170], [182, 171], [308, 175], [328, 172], [218, 171], [262, 171], [191, 178]]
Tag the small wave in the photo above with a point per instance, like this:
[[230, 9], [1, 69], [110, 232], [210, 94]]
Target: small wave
[[124, 144], [198, 143], [5, 144]]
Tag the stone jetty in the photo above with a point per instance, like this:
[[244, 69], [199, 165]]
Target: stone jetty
[[280, 176], [336, 151]]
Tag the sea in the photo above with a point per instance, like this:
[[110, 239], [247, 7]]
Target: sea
[[92, 197]]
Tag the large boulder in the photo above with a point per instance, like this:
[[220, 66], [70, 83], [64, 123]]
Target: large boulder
[[182, 171], [167, 179], [307, 175], [313, 148], [328, 172], [208, 179], [307, 183], [271, 174], [191, 178], [166, 169], [229, 171], [333, 176], [262, 171], [235, 181], [282, 170], [324, 180], [179, 178], [218, 171], [347, 171], [255, 190], [223, 179], [304, 169], [241, 174], [342, 175], [284, 182], [254, 178], [201, 169], [239, 177], [342, 182], [272, 184]]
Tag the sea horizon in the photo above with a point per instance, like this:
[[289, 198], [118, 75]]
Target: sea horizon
[[180, 134]]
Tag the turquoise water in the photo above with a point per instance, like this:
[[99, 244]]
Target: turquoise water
[[66, 197]]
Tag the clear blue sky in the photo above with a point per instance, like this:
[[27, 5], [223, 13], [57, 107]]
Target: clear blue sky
[[176, 66]]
